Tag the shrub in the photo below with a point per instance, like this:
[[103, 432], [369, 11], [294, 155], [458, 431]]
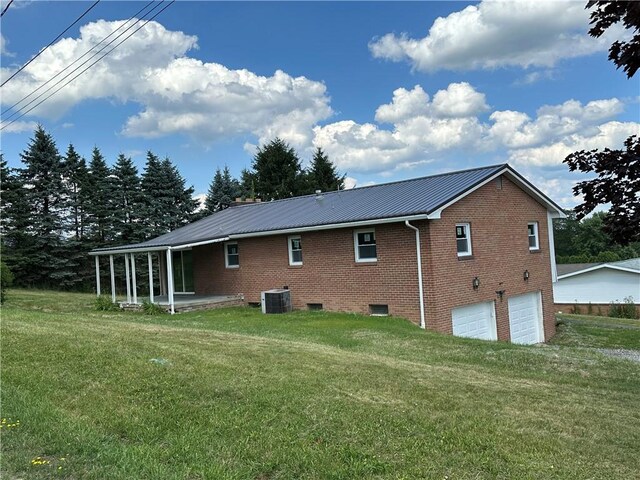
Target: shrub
[[6, 280], [104, 304], [575, 309], [149, 308], [623, 310]]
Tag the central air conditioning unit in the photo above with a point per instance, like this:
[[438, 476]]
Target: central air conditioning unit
[[276, 301]]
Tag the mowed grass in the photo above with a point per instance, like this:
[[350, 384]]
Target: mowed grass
[[239, 395]]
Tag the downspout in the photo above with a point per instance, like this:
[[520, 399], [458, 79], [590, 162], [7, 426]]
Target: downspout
[[419, 258]]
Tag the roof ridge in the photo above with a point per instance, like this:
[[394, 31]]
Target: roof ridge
[[444, 174]]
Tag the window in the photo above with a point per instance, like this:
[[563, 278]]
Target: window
[[295, 250], [365, 245], [231, 257], [533, 236], [378, 310], [463, 239]]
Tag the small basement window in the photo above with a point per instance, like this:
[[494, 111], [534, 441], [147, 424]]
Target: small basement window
[[365, 245], [532, 229], [463, 239], [231, 255], [378, 310], [314, 306], [254, 304]]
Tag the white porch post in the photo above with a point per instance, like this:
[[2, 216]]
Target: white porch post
[[126, 272], [170, 281], [133, 277], [113, 280], [97, 276], [150, 261]]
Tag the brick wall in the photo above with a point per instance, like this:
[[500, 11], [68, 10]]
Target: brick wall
[[331, 276], [498, 213]]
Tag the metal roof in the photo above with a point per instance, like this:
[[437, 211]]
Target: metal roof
[[570, 269], [407, 198]]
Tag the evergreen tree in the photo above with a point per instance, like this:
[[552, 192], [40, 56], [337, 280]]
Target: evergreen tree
[[35, 250], [100, 200], [127, 201], [223, 190], [278, 173], [75, 177], [323, 175], [247, 184], [167, 204]]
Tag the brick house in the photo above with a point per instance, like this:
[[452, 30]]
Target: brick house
[[468, 253]]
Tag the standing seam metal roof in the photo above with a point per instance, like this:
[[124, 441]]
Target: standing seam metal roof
[[397, 199]]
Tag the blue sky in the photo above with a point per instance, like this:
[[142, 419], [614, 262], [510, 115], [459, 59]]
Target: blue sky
[[389, 90]]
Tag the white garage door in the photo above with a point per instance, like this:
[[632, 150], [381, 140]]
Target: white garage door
[[475, 321], [525, 318]]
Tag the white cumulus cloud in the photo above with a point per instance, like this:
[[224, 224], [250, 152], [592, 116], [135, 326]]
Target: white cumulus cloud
[[177, 94], [497, 33]]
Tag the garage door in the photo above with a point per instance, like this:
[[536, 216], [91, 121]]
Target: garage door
[[525, 318], [475, 321]]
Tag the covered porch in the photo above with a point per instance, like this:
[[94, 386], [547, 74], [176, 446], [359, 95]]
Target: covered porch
[[173, 278]]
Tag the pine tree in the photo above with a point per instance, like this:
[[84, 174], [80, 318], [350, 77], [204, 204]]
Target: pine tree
[[167, 204], [323, 175], [127, 201], [100, 200], [75, 177], [35, 250], [247, 184], [223, 190], [278, 173]]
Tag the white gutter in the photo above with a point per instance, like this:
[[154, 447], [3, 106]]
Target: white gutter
[[552, 248], [419, 258], [158, 249]]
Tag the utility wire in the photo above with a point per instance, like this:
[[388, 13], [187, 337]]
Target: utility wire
[[50, 43], [6, 8], [83, 71], [78, 59]]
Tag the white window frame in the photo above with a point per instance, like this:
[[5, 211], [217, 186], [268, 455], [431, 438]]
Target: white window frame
[[356, 245], [469, 251], [226, 255], [536, 235], [290, 248]]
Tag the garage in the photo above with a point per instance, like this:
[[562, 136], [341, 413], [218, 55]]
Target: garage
[[525, 318], [475, 321]]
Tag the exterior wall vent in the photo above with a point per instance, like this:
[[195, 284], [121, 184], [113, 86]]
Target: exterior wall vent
[[276, 301]]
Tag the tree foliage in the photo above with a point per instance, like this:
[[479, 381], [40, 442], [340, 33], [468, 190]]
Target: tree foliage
[[278, 173], [323, 174], [617, 183], [624, 54], [224, 189]]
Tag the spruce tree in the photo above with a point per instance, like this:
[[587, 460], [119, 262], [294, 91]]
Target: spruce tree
[[278, 173], [127, 201], [223, 190], [323, 175], [167, 203], [75, 177], [100, 200], [36, 253]]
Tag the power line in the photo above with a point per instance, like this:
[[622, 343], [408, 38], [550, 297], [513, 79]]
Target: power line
[[78, 59], [83, 71], [50, 43], [6, 8]]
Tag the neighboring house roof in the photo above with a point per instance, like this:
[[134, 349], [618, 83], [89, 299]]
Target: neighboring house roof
[[571, 269], [418, 198]]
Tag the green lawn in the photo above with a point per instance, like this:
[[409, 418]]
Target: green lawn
[[236, 394]]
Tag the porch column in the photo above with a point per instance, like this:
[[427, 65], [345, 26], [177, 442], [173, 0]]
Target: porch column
[[170, 280], [97, 275], [126, 272], [113, 280], [150, 261], [133, 277]]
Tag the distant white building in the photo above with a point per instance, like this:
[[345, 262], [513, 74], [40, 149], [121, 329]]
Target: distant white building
[[597, 283]]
